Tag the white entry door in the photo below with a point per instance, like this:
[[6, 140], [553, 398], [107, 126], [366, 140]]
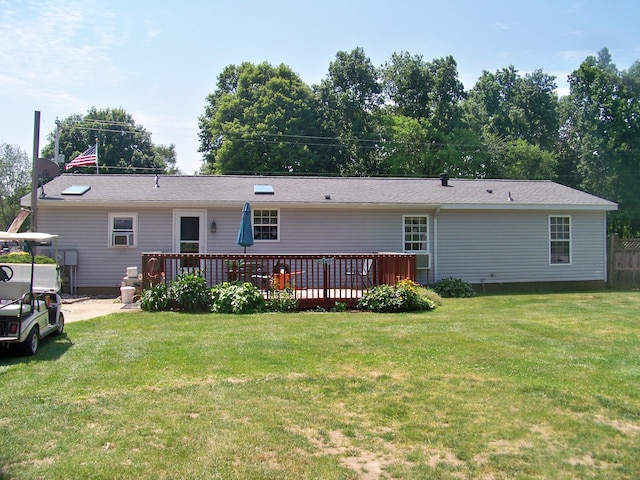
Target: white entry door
[[189, 234]]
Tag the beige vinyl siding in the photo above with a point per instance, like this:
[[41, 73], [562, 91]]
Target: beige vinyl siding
[[87, 231], [508, 247], [313, 231], [337, 230]]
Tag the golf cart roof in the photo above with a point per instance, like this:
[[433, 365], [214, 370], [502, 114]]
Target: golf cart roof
[[30, 237]]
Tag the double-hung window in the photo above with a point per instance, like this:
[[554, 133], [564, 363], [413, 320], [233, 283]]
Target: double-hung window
[[559, 240], [266, 225], [123, 229], [416, 233]]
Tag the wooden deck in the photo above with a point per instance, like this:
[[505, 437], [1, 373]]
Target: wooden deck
[[315, 280]]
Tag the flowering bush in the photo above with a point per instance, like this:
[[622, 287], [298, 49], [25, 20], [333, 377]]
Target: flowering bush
[[404, 296]]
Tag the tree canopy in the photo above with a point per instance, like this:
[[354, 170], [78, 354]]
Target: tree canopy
[[261, 119], [412, 117], [601, 134], [123, 145], [15, 182]]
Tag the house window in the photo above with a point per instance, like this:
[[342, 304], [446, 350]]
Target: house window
[[123, 229], [265, 225], [416, 233], [560, 240]]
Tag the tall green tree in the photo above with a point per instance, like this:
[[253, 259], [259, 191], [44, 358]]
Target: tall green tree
[[516, 118], [425, 98], [408, 85], [15, 182], [602, 130], [261, 118], [123, 145], [520, 160], [350, 97], [515, 107]]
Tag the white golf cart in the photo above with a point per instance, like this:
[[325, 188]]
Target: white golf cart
[[30, 304]]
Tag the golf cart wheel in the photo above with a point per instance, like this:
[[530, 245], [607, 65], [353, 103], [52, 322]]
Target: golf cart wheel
[[30, 345], [60, 324]]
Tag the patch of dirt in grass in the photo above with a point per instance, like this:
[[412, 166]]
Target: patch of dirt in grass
[[351, 371], [626, 428], [588, 461], [235, 381], [545, 432], [366, 464], [585, 461], [470, 377], [502, 447], [436, 457], [35, 462]]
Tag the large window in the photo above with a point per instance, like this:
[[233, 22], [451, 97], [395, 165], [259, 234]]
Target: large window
[[265, 225], [416, 233], [559, 240], [123, 229]]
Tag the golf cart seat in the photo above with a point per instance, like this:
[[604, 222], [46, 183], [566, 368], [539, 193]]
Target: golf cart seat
[[15, 299]]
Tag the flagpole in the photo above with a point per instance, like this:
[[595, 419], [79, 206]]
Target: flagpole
[[97, 172]]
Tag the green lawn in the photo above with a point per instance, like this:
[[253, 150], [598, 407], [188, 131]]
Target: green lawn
[[494, 387]]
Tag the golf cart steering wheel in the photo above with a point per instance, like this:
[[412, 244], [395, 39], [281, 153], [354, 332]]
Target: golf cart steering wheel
[[6, 273]]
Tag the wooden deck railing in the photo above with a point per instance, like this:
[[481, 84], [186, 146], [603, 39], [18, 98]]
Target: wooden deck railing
[[315, 280]]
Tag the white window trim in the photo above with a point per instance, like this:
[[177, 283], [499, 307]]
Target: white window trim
[[278, 225], [134, 217], [177, 214], [560, 264], [427, 243]]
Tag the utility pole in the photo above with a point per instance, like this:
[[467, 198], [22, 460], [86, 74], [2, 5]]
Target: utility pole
[[34, 172], [56, 145]]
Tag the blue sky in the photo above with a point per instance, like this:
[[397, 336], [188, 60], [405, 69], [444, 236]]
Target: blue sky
[[160, 59]]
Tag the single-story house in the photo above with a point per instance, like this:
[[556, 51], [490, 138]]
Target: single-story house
[[484, 231]]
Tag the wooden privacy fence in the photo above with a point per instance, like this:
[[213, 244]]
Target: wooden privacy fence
[[624, 262], [315, 280]]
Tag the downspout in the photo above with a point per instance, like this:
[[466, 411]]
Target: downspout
[[435, 244], [608, 253]]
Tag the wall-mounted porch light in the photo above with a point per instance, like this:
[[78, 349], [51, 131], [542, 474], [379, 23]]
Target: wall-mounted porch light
[[213, 226]]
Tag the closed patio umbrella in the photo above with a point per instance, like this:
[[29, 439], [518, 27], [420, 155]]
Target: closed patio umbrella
[[245, 234]]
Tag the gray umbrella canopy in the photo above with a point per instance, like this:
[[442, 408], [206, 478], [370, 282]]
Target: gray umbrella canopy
[[245, 233]]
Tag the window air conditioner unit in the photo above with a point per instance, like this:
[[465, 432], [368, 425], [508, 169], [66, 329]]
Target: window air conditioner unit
[[122, 240], [423, 261]]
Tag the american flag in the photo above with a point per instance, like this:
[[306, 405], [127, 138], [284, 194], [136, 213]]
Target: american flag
[[88, 157]]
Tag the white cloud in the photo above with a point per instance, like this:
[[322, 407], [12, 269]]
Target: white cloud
[[56, 45], [151, 31], [574, 55], [501, 26]]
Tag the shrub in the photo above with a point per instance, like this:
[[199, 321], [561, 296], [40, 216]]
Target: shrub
[[236, 297], [155, 298], [282, 301], [431, 295], [24, 257], [453, 288], [404, 296], [339, 307], [190, 293]]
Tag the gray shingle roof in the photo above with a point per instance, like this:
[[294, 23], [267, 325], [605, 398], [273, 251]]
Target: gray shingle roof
[[301, 191]]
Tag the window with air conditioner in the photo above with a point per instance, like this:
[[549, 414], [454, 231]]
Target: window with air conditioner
[[123, 229]]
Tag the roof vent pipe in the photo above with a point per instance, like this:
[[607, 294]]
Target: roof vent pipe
[[444, 179]]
